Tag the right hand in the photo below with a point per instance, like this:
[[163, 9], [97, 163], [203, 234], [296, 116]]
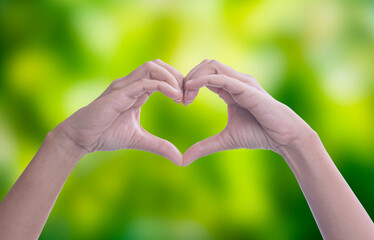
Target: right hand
[[111, 122], [255, 119]]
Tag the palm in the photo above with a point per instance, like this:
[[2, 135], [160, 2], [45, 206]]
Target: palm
[[111, 129], [120, 133], [243, 130], [251, 124], [100, 127], [111, 122]]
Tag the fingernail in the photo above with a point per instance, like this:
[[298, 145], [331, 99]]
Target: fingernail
[[185, 95], [189, 96]]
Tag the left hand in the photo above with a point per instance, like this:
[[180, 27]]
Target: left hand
[[111, 122]]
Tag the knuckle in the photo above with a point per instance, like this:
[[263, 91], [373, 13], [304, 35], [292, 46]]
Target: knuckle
[[161, 85], [115, 83], [214, 62], [142, 81], [179, 75], [215, 65], [250, 77], [149, 64]]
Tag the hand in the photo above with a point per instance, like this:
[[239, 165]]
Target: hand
[[255, 119], [111, 122]]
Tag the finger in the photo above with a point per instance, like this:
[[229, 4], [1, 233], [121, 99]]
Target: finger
[[232, 85], [223, 94], [141, 100], [158, 72], [150, 70], [189, 96], [149, 86], [246, 96], [205, 147], [194, 92], [204, 62], [150, 143], [172, 70], [216, 67], [123, 99]]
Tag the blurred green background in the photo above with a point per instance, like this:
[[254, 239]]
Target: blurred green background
[[315, 56]]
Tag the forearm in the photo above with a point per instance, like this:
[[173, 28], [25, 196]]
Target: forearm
[[336, 209], [25, 209]]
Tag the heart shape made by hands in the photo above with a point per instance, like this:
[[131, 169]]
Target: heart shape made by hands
[[183, 125], [255, 119]]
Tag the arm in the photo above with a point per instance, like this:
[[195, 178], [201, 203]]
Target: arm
[[110, 122], [336, 209], [25, 209], [256, 120]]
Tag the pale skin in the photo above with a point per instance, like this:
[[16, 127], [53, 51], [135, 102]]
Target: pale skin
[[255, 120]]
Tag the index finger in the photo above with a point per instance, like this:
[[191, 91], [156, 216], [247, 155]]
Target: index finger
[[172, 70], [188, 77], [215, 67]]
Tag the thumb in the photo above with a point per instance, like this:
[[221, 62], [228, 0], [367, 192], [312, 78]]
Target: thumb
[[150, 143], [205, 147]]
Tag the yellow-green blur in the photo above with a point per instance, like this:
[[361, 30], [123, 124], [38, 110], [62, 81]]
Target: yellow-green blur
[[316, 56]]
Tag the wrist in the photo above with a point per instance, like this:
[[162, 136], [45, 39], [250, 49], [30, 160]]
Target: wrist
[[64, 144], [303, 151], [306, 138]]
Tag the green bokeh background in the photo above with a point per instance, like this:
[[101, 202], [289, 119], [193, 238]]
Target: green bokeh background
[[316, 56]]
